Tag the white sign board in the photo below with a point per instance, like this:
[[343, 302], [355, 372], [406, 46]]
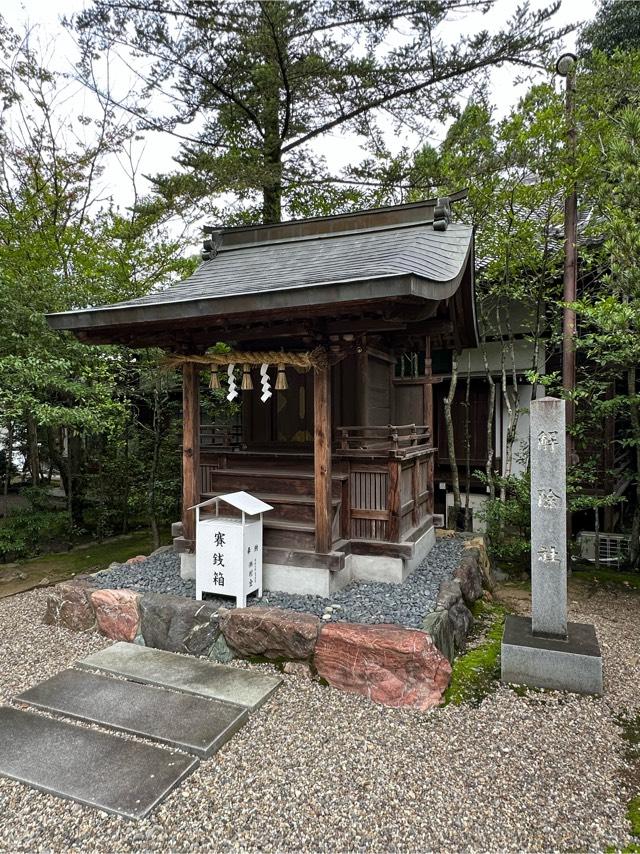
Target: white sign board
[[229, 549]]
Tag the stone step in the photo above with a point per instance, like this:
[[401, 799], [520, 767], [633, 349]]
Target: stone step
[[183, 721], [99, 769], [184, 673]]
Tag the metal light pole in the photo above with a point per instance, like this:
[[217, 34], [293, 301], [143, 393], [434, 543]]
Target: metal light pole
[[566, 67]]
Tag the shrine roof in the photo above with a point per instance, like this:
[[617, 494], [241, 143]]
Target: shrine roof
[[299, 265]]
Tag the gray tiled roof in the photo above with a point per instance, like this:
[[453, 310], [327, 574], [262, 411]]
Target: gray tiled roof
[[416, 250]]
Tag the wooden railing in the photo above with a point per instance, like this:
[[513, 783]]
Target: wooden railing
[[387, 478], [221, 436], [395, 440]]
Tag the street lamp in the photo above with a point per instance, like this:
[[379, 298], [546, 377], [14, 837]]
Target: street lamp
[[566, 67]]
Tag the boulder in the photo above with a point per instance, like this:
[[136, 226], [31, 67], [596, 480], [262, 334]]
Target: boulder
[[389, 664], [462, 621], [136, 559], [69, 606], [469, 575], [177, 624], [272, 632], [220, 651], [439, 627], [448, 594], [478, 546], [117, 613]]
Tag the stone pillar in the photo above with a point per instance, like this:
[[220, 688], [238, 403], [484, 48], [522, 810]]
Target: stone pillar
[[548, 518]]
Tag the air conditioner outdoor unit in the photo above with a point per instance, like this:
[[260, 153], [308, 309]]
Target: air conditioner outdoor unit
[[613, 548]]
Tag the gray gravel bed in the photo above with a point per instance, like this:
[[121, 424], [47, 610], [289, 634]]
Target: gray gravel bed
[[360, 602], [318, 770]]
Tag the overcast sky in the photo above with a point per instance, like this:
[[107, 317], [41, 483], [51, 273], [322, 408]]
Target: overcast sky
[[157, 152]]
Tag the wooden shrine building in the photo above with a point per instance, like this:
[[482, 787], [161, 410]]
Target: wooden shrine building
[[317, 312]]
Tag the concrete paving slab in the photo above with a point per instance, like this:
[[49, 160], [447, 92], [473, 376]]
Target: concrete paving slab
[[184, 673], [101, 770], [183, 721]]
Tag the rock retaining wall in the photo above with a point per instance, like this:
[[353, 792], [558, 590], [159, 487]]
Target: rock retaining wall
[[390, 664]]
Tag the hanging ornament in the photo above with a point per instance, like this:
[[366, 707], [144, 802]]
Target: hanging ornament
[[215, 380], [266, 383], [232, 383], [247, 384], [281, 379]]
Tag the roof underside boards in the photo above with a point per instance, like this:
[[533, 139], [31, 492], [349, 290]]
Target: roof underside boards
[[412, 261]]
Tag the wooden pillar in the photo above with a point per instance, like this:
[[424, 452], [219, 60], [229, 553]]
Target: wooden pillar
[[393, 500], [322, 456], [190, 449], [428, 421], [362, 388]]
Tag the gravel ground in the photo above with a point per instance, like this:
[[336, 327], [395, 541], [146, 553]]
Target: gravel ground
[[319, 770], [406, 604]]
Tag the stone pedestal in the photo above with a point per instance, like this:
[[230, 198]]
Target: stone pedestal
[[573, 664], [546, 651]]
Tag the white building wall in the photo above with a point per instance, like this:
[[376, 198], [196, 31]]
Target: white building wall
[[473, 360]]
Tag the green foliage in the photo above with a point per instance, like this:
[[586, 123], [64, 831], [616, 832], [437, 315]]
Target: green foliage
[[508, 520], [266, 79], [29, 532], [616, 26]]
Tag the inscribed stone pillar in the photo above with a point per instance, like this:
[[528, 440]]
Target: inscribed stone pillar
[[548, 518]]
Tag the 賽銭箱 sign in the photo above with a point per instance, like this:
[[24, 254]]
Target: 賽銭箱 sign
[[229, 547]]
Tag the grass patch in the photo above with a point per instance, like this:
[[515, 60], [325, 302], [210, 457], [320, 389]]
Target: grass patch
[[626, 580], [475, 673], [91, 557]]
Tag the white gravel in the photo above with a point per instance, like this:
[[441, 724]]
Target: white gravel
[[318, 770]]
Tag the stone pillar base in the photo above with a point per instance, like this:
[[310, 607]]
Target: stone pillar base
[[574, 664], [187, 566]]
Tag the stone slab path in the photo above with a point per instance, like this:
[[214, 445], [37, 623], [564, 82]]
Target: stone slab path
[[182, 673], [183, 721], [101, 770]]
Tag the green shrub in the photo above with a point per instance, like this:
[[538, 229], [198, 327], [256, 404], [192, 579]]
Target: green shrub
[[29, 532], [508, 522]]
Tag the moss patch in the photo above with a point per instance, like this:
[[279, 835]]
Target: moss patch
[[475, 674], [631, 735]]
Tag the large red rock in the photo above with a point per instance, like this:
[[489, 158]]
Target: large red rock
[[389, 664], [272, 632], [117, 613], [69, 606]]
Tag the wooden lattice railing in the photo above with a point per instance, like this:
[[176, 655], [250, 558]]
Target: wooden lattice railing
[[391, 440]]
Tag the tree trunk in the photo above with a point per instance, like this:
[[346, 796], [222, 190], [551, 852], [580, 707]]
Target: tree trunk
[[75, 485], [448, 402], [153, 474], [7, 474], [272, 191], [127, 484], [467, 448], [33, 450], [634, 411], [488, 468]]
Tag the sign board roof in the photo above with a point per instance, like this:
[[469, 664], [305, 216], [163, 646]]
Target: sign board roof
[[240, 500]]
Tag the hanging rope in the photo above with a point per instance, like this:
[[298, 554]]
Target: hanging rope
[[303, 361]]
